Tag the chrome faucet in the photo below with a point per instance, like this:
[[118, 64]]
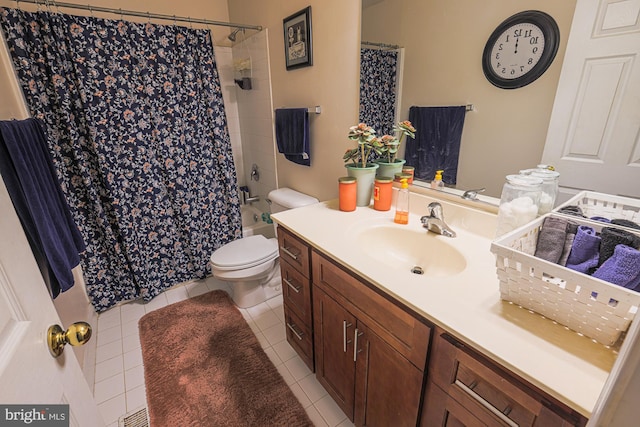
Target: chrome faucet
[[435, 221], [245, 196], [472, 194]]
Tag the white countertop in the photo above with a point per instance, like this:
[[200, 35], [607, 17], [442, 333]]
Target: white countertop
[[570, 367]]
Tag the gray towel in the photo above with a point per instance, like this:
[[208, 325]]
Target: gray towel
[[551, 239], [612, 237], [572, 228]]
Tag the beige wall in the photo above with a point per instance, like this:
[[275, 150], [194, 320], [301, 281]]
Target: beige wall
[[332, 82], [443, 43]]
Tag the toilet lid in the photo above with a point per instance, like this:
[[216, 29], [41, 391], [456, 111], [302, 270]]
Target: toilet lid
[[245, 252]]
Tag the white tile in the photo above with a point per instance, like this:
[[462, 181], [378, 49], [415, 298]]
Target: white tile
[[312, 388], [276, 302], [330, 411], [130, 328], [109, 388], [113, 409], [132, 359], [247, 317], [156, 303], [258, 310], [273, 356], [131, 312], [315, 417], [266, 320], [286, 375], [264, 343], [109, 319], [284, 350], [346, 423], [300, 395], [108, 351], [275, 334], [109, 368], [297, 367], [136, 398], [106, 336], [130, 342], [133, 378], [197, 288], [177, 294]]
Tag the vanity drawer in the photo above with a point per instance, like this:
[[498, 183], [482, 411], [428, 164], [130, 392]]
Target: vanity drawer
[[294, 251], [399, 328], [296, 292], [491, 394], [299, 336]]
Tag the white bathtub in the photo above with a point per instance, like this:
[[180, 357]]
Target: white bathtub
[[252, 223]]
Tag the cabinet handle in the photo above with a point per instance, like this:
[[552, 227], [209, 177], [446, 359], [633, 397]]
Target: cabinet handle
[[486, 404], [298, 335], [288, 252], [355, 344], [345, 325], [291, 285]]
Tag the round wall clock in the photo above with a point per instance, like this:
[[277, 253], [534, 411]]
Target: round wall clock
[[520, 49]]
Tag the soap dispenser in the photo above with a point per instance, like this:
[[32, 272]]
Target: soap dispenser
[[437, 183], [402, 203]]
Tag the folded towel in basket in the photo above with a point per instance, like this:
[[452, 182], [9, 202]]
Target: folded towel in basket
[[585, 250], [625, 223], [572, 229], [612, 237], [551, 239], [622, 268]]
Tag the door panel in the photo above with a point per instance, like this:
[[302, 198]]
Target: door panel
[[594, 132]]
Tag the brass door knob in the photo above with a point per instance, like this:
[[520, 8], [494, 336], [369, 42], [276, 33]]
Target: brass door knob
[[77, 334]]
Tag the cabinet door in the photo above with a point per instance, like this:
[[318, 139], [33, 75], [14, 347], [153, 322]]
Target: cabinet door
[[443, 410], [388, 386], [333, 336]]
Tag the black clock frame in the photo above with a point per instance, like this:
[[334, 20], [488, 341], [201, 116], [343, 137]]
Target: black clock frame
[[551, 33]]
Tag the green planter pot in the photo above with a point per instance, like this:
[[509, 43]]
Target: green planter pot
[[389, 169], [364, 181]]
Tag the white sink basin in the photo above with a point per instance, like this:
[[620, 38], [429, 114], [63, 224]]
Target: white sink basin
[[410, 250]]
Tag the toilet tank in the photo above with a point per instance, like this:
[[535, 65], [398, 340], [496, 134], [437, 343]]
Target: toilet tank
[[284, 198]]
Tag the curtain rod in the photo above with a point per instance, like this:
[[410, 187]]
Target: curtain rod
[[122, 12], [390, 46]]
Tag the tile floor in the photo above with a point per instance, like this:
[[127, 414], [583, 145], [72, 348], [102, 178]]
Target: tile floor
[[119, 378]]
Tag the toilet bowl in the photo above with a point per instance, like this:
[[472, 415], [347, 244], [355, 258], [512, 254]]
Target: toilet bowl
[[250, 264]]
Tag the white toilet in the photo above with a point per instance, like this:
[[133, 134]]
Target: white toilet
[[250, 264]]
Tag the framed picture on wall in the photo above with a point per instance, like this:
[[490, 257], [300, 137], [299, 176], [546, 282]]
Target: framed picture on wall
[[297, 39]]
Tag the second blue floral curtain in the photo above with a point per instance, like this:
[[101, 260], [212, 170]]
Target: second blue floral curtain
[[378, 82], [138, 134]]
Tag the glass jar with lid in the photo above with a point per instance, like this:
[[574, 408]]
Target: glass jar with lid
[[550, 183], [519, 202]]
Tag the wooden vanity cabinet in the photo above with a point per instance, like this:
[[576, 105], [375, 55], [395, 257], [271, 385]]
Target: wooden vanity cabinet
[[466, 389], [295, 268], [370, 353]]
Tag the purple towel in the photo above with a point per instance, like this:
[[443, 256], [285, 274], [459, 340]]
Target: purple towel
[[622, 268], [600, 219], [585, 250], [612, 237]]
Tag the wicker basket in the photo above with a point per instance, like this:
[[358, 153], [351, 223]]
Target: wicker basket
[[605, 205], [590, 306]]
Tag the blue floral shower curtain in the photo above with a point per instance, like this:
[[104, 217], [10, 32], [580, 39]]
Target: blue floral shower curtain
[[378, 81], [138, 134]]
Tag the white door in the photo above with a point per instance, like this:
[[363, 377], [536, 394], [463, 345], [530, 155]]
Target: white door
[[594, 131], [28, 372]]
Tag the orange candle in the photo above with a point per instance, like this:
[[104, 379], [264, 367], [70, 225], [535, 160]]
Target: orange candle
[[382, 190], [347, 193], [408, 170]]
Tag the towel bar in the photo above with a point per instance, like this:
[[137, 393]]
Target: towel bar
[[314, 110]]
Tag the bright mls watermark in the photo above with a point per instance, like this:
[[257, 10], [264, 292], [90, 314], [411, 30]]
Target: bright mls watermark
[[34, 415]]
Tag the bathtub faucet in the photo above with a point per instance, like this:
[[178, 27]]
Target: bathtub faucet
[[245, 196]]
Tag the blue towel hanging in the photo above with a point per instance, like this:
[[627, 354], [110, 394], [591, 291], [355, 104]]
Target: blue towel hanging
[[31, 181], [292, 134], [437, 142]]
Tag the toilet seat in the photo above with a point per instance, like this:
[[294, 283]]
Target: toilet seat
[[245, 253]]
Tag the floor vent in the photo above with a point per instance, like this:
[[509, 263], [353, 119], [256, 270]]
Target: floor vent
[[138, 418]]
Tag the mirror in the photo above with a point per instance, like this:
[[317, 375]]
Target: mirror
[[442, 66]]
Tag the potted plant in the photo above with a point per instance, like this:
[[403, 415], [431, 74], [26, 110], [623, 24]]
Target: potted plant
[[360, 167], [388, 164]]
